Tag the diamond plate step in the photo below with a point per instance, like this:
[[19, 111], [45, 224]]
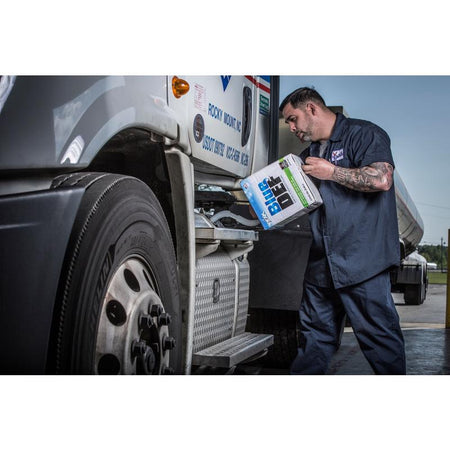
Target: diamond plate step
[[232, 351]]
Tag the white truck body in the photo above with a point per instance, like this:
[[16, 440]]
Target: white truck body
[[85, 137]]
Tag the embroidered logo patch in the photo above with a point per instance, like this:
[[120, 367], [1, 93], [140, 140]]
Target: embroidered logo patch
[[337, 155]]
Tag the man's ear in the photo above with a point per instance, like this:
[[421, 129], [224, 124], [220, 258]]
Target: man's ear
[[312, 108]]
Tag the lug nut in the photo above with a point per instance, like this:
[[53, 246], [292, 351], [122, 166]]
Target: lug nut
[[164, 319], [167, 370], [168, 343], [156, 310], [150, 360], [146, 321], [155, 347], [138, 348]]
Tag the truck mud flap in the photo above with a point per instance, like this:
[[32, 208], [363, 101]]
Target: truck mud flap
[[277, 266]]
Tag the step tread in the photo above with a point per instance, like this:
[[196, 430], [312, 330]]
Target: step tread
[[233, 351]]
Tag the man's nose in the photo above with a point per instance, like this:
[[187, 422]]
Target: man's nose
[[292, 127]]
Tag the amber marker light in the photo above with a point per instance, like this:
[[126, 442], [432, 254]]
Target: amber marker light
[[179, 87]]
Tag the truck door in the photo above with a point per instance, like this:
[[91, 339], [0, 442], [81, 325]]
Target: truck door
[[221, 117]]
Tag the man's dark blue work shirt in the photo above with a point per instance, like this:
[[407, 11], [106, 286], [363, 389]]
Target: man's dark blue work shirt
[[355, 234]]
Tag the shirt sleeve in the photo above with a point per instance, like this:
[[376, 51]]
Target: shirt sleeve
[[371, 144]]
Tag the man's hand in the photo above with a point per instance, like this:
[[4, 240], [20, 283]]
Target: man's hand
[[318, 168]]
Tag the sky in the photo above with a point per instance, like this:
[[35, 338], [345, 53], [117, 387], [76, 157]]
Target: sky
[[415, 112]]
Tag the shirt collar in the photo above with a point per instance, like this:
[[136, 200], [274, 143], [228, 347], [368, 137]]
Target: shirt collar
[[339, 127], [336, 135]]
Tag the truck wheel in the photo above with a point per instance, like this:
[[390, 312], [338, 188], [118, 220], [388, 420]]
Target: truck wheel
[[285, 327], [118, 307], [414, 294]]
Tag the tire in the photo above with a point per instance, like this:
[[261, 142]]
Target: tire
[[414, 294], [285, 326], [119, 310]]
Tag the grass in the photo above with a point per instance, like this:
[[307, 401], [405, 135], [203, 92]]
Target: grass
[[437, 278]]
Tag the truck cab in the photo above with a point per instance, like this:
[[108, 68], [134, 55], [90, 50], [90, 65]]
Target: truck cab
[[114, 259]]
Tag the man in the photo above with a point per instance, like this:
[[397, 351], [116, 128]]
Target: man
[[355, 238]]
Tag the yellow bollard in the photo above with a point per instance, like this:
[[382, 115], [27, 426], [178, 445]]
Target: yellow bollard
[[447, 313]]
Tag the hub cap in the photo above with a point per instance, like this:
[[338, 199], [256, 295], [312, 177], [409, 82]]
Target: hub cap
[[133, 335]]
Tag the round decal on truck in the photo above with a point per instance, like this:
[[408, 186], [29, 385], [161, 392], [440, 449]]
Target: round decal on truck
[[199, 128]]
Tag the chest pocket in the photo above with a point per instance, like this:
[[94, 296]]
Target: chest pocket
[[338, 156]]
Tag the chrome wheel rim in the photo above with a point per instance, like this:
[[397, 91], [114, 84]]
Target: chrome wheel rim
[[133, 333]]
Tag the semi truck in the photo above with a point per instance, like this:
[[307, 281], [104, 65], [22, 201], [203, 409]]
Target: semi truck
[[411, 278], [112, 261], [126, 242]]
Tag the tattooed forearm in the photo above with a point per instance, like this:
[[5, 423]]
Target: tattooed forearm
[[372, 178]]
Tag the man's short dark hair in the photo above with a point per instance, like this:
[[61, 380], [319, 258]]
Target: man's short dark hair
[[301, 96]]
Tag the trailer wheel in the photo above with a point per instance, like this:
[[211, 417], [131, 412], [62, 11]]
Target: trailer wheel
[[415, 293], [285, 327], [119, 309], [412, 295]]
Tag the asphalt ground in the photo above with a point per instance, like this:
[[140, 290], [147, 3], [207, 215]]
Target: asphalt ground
[[430, 314], [427, 342]]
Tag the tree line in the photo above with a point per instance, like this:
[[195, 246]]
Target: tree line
[[434, 253]]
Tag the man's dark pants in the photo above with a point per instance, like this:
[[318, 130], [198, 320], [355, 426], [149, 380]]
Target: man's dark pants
[[374, 319]]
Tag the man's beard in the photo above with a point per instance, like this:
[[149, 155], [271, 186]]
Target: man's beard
[[306, 136]]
